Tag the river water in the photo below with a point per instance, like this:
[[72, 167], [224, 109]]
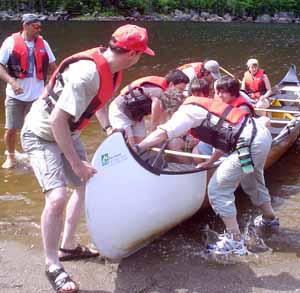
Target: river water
[[276, 46]]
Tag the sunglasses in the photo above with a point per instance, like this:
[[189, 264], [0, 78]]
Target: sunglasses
[[36, 26]]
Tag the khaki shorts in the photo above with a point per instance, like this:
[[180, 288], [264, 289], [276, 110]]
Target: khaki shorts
[[15, 112], [49, 164]]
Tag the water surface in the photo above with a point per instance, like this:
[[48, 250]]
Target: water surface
[[275, 46]]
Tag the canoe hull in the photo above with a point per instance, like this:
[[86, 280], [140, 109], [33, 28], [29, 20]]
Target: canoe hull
[[125, 213]]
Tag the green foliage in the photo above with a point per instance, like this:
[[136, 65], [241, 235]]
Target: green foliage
[[113, 7]]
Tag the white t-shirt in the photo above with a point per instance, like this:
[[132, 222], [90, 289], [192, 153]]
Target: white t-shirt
[[191, 74], [191, 116], [81, 86], [32, 86]]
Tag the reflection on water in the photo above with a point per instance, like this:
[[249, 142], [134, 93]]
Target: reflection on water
[[276, 46]]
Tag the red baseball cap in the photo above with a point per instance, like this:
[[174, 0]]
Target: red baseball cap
[[132, 37]]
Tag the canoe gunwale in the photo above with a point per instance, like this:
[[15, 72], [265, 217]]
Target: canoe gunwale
[[159, 171]]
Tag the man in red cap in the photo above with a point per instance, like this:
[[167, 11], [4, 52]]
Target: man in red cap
[[80, 87]]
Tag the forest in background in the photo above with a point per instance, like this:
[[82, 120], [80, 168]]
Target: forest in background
[[123, 7]]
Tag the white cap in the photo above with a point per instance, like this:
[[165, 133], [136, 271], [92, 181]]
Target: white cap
[[252, 61], [213, 67]]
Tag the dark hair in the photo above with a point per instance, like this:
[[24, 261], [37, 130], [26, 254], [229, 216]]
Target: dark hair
[[115, 48], [199, 87], [176, 76], [229, 85]]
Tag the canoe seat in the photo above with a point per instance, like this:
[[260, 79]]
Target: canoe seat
[[178, 167]]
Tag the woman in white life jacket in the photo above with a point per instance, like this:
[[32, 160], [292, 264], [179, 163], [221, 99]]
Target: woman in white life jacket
[[226, 128]]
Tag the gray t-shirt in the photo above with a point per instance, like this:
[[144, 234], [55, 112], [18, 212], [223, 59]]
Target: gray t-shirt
[[81, 86], [150, 91]]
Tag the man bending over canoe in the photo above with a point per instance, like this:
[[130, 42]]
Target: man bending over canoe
[[150, 95], [80, 87], [208, 69], [247, 142]]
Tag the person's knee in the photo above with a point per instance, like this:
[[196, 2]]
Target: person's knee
[[56, 200], [176, 144]]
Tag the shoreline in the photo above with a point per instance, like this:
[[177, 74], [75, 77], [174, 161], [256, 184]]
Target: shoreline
[[171, 264], [176, 16]]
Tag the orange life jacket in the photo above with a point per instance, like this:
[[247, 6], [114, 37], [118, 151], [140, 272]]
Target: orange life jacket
[[240, 101], [17, 64], [223, 124], [255, 86], [197, 66], [155, 80], [108, 83]]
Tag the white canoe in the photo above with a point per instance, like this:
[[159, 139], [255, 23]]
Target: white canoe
[[128, 203]]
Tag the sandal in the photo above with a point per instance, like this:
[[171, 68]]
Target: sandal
[[80, 252], [59, 278]]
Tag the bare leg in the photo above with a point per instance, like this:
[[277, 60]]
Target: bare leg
[[73, 214], [232, 227], [51, 224], [178, 144], [10, 143], [268, 211]]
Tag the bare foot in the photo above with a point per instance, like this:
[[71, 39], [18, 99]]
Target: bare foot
[[9, 163]]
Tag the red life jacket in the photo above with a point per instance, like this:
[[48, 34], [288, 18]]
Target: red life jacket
[[255, 86], [197, 66], [223, 124], [108, 83], [137, 105], [241, 101], [17, 64], [155, 80]]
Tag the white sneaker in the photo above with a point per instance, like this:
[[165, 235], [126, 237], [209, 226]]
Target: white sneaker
[[227, 245], [267, 225]]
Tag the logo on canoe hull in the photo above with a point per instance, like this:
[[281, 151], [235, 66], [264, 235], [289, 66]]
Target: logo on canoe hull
[[104, 159], [108, 160]]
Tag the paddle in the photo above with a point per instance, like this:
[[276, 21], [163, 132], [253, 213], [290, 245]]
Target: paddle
[[183, 154], [228, 73]]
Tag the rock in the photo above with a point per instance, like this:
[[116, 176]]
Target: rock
[[193, 13], [178, 12], [195, 18], [205, 15], [182, 17], [283, 20], [54, 17], [215, 18], [265, 18], [227, 17], [130, 18]]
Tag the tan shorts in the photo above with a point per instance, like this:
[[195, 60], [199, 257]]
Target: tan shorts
[[15, 112], [49, 164]]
